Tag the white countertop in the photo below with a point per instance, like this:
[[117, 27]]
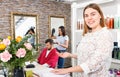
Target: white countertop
[[44, 71]]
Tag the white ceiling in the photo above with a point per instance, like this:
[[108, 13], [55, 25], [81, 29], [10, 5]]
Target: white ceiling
[[81, 1], [71, 1]]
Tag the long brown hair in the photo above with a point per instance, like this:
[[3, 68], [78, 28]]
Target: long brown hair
[[96, 7], [63, 30]]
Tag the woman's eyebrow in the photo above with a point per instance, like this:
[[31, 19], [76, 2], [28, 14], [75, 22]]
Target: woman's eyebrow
[[90, 13], [93, 12]]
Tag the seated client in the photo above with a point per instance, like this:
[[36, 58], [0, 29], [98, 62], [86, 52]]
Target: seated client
[[48, 56]]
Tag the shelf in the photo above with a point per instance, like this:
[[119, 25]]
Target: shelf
[[115, 61], [78, 30]]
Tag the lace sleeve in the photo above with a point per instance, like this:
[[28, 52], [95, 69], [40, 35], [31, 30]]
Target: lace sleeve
[[101, 56]]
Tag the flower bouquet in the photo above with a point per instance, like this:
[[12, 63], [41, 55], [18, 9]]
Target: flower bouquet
[[14, 53]]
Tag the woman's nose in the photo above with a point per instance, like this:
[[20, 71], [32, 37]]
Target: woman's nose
[[89, 17]]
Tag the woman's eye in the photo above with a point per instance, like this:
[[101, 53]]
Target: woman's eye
[[92, 14], [86, 15]]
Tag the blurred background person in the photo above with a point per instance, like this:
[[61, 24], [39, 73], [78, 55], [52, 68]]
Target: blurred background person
[[62, 41], [31, 33]]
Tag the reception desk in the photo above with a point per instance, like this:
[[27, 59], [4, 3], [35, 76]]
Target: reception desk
[[41, 71]]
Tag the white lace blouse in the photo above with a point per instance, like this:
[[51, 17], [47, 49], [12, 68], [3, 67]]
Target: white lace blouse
[[95, 52]]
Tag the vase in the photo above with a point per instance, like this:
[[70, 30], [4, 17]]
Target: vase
[[16, 72]]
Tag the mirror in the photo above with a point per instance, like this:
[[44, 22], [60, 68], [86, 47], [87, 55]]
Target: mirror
[[54, 23], [24, 24]]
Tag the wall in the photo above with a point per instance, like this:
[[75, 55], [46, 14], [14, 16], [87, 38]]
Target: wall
[[111, 8], [43, 8]]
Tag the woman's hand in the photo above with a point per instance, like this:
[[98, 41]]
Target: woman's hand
[[64, 54], [58, 43], [60, 71], [65, 45]]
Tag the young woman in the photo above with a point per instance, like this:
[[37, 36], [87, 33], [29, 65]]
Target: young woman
[[95, 48], [62, 41]]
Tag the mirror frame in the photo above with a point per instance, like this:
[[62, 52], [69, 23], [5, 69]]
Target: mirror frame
[[58, 17], [24, 14]]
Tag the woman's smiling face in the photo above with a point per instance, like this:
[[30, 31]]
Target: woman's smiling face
[[92, 18]]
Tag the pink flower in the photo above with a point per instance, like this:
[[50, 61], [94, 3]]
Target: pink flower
[[6, 41], [5, 56], [28, 46], [21, 53]]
